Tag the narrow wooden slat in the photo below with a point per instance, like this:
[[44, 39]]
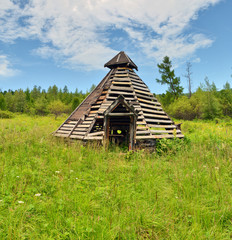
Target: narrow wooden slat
[[139, 91], [122, 83], [95, 133], [72, 122], [161, 126], [155, 115], [121, 88], [159, 120], [78, 133], [151, 111], [77, 136], [68, 125], [165, 131], [121, 93], [147, 101]]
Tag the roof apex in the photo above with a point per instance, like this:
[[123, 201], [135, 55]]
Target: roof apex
[[121, 60]]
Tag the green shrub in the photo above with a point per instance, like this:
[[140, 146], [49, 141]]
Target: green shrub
[[6, 114]]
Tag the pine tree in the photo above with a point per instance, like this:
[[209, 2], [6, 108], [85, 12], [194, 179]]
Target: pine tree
[[168, 77]]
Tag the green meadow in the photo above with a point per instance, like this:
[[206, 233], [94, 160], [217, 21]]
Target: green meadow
[[54, 189]]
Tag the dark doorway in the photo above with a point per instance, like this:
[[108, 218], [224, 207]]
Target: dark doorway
[[120, 125]]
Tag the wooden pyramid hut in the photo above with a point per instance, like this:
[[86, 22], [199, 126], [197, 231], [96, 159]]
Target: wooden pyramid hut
[[121, 109]]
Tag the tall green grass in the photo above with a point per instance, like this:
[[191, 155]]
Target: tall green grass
[[53, 189]]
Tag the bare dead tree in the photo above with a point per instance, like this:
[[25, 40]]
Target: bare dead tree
[[189, 77]]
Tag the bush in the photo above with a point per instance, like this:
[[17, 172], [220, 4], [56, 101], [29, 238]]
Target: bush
[[6, 114], [182, 109]]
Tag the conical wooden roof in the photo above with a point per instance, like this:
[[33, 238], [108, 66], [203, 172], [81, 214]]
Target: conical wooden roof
[[87, 121], [121, 60]]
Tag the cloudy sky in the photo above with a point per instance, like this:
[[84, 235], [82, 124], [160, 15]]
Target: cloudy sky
[[67, 42]]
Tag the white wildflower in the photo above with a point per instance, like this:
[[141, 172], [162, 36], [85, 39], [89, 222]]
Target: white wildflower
[[217, 168], [76, 178], [38, 194], [20, 202], [71, 171], [57, 171], [17, 176]]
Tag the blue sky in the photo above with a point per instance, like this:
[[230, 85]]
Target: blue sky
[[67, 42]]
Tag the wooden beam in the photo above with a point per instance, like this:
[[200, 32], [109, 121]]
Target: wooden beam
[[120, 114]]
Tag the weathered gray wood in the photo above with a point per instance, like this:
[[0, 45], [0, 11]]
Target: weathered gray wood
[[72, 122], [143, 92], [155, 116], [151, 111], [152, 98], [159, 136], [158, 120], [68, 125], [161, 126], [78, 133], [122, 83], [121, 93], [151, 106], [142, 132], [76, 136], [121, 88], [120, 114], [165, 131], [150, 102], [95, 134]]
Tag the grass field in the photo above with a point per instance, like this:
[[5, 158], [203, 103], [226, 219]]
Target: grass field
[[51, 189]]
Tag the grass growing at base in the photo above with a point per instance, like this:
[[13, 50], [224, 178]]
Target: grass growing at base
[[52, 189]]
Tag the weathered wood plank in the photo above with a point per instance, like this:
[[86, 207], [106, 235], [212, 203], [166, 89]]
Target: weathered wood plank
[[78, 133], [165, 131], [121, 88], [122, 83], [121, 93], [158, 120], [161, 126], [76, 136], [71, 122], [68, 125], [151, 111], [95, 134], [143, 92], [155, 116], [150, 102], [146, 97], [146, 106], [159, 136], [142, 132], [120, 114]]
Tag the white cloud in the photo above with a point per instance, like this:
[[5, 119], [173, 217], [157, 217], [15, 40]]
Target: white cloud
[[78, 32], [5, 67]]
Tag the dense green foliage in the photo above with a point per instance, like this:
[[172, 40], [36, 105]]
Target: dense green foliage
[[168, 77], [51, 189], [205, 103], [41, 102]]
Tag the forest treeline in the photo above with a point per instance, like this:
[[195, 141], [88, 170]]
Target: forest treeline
[[41, 102], [205, 103]]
